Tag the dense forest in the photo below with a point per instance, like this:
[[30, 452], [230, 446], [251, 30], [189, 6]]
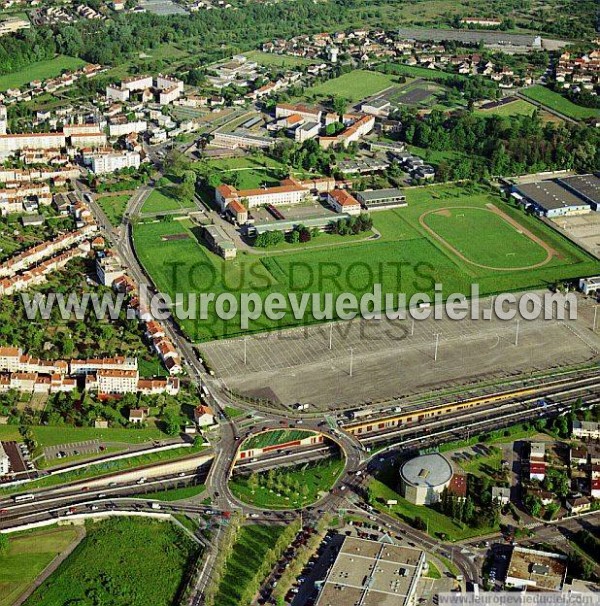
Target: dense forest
[[109, 42], [502, 145]]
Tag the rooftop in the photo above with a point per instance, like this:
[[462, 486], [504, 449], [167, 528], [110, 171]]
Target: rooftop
[[538, 568], [586, 186], [549, 195], [427, 470], [372, 574], [380, 194]]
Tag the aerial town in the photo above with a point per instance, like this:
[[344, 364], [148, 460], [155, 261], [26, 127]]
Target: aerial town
[[299, 302]]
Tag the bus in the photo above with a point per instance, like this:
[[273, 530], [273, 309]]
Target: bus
[[23, 497]]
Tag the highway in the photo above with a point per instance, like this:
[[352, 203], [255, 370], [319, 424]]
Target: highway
[[360, 451]]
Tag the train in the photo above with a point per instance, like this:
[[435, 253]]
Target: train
[[416, 416]]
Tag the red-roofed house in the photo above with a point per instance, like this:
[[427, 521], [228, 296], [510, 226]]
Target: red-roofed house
[[343, 202]]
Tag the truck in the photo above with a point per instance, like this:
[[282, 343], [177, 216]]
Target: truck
[[155, 506]]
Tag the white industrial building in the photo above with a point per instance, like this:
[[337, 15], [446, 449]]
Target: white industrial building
[[423, 478]]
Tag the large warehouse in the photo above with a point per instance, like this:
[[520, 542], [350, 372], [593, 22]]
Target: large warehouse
[[550, 199], [373, 573], [423, 478]]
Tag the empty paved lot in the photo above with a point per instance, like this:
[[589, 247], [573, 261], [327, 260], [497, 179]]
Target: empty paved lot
[[388, 361]]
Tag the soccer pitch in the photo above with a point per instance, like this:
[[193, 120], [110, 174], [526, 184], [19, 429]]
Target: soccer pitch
[[354, 85], [446, 235]]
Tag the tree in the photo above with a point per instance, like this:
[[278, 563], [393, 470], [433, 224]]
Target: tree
[[171, 421]]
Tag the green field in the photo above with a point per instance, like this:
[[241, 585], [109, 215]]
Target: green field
[[122, 562], [353, 86], [289, 487], [40, 71], [101, 469], [114, 207], [47, 435], [437, 523], [252, 544], [278, 436], [185, 265], [497, 245], [28, 554], [557, 102], [516, 108], [176, 494], [421, 72], [164, 199], [273, 60]]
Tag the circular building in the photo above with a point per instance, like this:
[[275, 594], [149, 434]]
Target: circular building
[[423, 478]]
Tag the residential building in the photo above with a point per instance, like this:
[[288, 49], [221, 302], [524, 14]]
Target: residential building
[[204, 416], [12, 143], [109, 268], [306, 131], [138, 415], [238, 211], [310, 114], [119, 129], [114, 382], [93, 365], [343, 202], [577, 505], [586, 429], [102, 163]]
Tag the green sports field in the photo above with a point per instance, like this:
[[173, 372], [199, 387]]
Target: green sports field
[[475, 238], [275, 61], [354, 86], [40, 71], [27, 556], [557, 102]]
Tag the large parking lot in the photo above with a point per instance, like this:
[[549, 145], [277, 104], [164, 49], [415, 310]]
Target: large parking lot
[[73, 449], [371, 360], [583, 229]]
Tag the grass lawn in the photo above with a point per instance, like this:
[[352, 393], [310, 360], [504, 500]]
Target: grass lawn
[[152, 368], [291, 487], [432, 571], [252, 544], [273, 60], [353, 86], [40, 71], [28, 554], [122, 562], [174, 256], [176, 494], [164, 199], [561, 104], [420, 72], [50, 435], [437, 523], [483, 465], [96, 470], [114, 207], [516, 108], [278, 436], [232, 412]]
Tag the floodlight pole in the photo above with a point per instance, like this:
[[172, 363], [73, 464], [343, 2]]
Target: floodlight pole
[[245, 350], [517, 333], [331, 336], [351, 360], [437, 344], [595, 318], [412, 327]]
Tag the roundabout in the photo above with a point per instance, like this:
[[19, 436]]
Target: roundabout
[[282, 469]]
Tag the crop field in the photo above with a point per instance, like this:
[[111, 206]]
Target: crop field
[[354, 86], [279, 436], [113, 207], [430, 241], [40, 71], [27, 556], [557, 102], [243, 564], [108, 566]]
